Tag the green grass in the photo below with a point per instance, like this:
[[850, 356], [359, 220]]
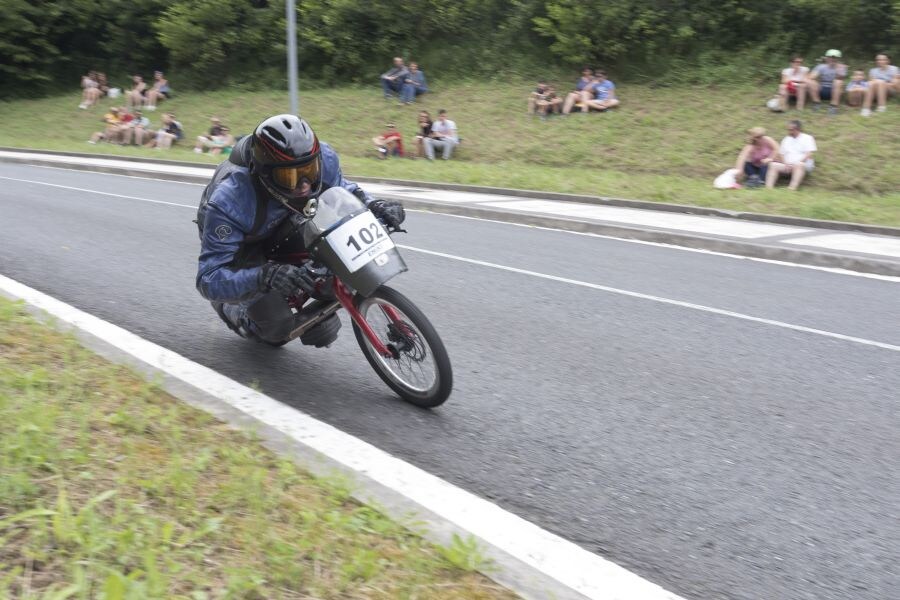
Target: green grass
[[112, 489], [664, 144]]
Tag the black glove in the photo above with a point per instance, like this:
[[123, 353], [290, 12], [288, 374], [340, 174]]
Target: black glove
[[286, 279], [389, 211]]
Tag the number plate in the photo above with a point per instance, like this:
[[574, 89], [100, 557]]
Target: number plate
[[359, 241]]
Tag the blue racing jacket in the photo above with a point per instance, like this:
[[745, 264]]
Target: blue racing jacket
[[229, 221]]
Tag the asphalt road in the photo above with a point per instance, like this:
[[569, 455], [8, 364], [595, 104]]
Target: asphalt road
[[716, 456]]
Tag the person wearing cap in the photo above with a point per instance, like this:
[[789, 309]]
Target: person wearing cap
[[826, 81], [754, 159], [883, 79], [389, 143]]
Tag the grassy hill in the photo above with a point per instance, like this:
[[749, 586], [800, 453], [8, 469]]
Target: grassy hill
[[663, 144]]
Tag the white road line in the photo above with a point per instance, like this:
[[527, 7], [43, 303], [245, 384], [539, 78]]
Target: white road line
[[595, 286], [78, 189], [834, 270], [770, 261], [682, 304], [571, 565]]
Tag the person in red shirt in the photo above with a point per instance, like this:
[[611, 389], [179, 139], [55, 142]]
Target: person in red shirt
[[389, 143]]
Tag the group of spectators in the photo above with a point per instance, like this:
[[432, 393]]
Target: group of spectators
[[592, 91], [406, 82], [826, 81], [762, 160], [440, 135], [127, 125]]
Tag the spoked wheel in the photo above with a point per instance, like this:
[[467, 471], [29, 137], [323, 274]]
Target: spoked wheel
[[419, 370]]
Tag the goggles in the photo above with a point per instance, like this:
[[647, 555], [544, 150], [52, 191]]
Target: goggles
[[292, 177]]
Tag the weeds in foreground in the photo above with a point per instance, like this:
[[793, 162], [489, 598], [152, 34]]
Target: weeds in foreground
[[113, 490]]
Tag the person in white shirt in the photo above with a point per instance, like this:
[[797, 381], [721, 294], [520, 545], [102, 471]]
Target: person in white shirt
[[443, 137], [793, 83], [797, 157]]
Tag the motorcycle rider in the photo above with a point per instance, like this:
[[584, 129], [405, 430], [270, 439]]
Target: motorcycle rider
[[265, 191]]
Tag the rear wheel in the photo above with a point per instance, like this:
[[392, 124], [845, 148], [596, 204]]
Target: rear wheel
[[420, 369]]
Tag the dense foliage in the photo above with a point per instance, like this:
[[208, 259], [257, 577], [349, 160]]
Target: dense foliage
[[46, 44]]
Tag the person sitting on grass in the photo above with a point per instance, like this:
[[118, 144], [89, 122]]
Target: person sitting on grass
[[856, 89], [796, 158], [413, 85], [884, 79], [424, 131], [535, 95], [160, 91], [604, 92], [170, 132], [392, 80], [755, 157], [389, 143], [134, 98], [585, 81], [138, 129], [101, 84], [90, 90], [544, 100], [793, 84], [826, 81], [443, 137], [112, 133], [209, 141]]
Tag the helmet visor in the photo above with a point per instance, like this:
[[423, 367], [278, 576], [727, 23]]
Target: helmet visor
[[292, 178]]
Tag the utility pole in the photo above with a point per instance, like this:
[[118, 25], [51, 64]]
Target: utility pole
[[292, 55]]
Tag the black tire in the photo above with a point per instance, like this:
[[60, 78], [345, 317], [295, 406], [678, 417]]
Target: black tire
[[324, 333], [425, 341]]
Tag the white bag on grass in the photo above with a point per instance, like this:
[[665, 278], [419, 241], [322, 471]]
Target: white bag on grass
[[114, 92], [727, 180]]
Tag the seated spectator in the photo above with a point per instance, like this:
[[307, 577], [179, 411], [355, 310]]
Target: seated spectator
[[101, 83], [549, 102], [793, 84], [586, 79], [211, 140], [138, 129], [796, 158], [90, 90], [755, 157], [826, 80], [389, 143], [413, 85], [170, 132], [600, 95], [856, 89], [158, 92], [424, 131], [392, 80], [134, 98], [884, 79], [535, 95], [443, 137], [112, 133]]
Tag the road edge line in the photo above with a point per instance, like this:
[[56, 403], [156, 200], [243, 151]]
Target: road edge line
[[531, 561]]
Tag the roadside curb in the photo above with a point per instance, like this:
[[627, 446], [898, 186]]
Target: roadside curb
[[850, 262], [217, 399], [560, 196]]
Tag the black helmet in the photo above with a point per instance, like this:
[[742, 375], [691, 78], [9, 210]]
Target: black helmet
[[286, 158]]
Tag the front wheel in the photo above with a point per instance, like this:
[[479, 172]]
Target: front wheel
[[420, 370]]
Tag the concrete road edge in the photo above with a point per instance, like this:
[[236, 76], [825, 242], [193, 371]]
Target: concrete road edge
[[737, 247]]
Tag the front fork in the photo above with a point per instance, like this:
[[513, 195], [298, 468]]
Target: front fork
[[345, 297]]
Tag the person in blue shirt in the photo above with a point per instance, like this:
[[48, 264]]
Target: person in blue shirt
[[603, 93], [586, 79], [264, 193], [413, 85]]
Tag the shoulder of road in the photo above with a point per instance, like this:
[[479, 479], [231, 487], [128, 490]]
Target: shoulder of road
[[835, 244]]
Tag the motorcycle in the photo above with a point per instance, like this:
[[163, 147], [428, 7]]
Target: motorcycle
[[354, 255]]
